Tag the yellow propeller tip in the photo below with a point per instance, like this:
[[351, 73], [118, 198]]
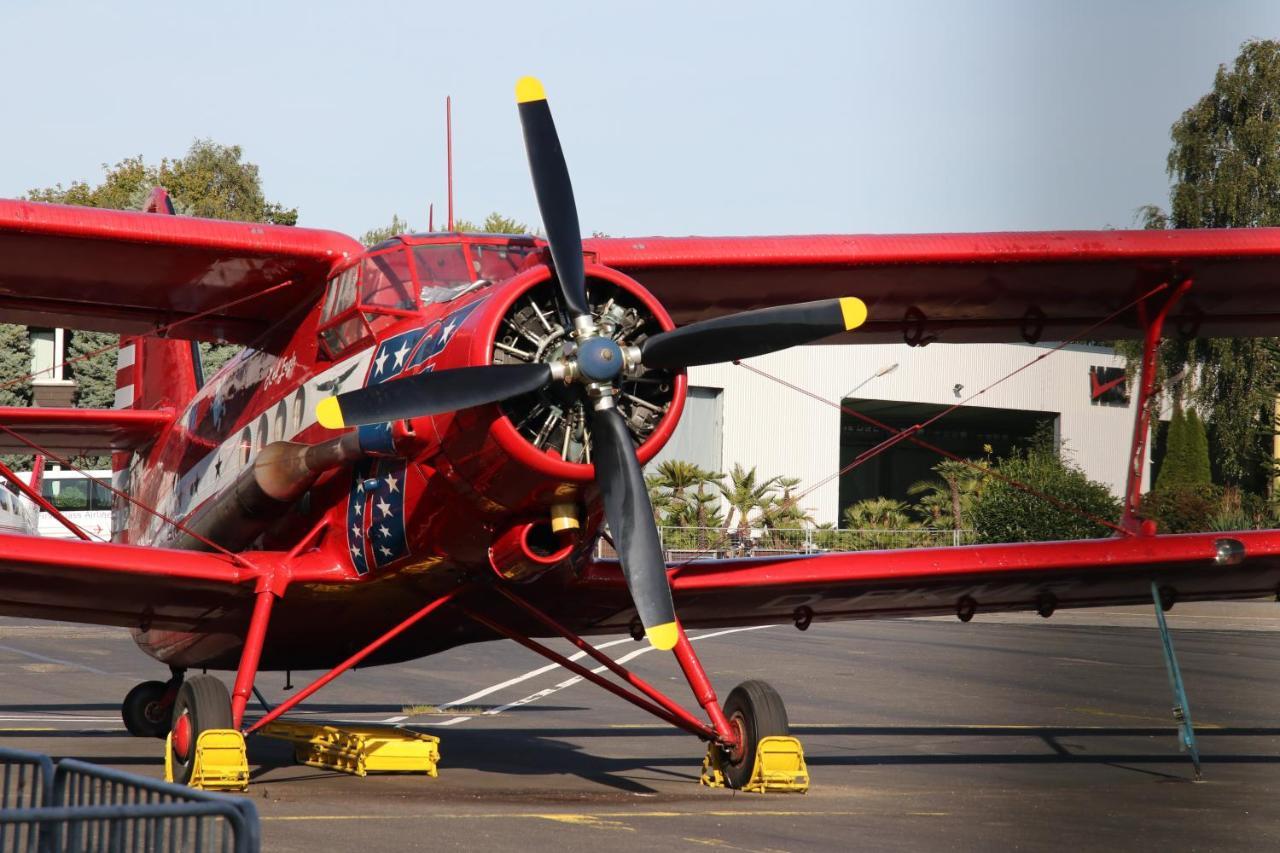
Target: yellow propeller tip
[[329, 413], [663, 637], [529, 89], [854, 311]]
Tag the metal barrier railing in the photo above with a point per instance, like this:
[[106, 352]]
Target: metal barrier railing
[[86, 807], [679, 543], [27, 784]]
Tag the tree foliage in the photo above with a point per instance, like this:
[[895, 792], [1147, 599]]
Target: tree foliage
[[494, 223], [15, 377], [211, 181], [1225, 168], [1005, 513], [395, 228]]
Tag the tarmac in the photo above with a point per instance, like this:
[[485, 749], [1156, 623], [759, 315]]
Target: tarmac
[[1010, 732]]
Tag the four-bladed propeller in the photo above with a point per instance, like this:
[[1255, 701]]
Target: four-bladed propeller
[[597, 363]]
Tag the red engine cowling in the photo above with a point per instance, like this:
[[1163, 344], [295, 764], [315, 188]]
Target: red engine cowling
[[517, 459]]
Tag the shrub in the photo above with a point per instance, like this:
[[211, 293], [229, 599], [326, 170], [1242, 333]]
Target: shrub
[[1005, 513]]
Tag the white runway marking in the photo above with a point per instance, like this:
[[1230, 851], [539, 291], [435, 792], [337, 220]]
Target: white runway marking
[[541, 694]]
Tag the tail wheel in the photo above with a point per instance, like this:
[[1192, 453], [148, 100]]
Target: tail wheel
[[145, 711], [203, 703], [755, 711]]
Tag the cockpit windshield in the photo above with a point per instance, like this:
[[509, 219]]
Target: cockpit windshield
[[444, 271]]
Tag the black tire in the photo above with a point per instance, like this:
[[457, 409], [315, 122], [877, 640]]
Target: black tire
[[144, 711], [206, 704], [756, 711]]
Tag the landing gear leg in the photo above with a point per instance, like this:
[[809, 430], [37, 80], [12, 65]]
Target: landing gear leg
[[147, 709]]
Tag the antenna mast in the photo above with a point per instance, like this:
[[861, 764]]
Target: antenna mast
[[448, 132]]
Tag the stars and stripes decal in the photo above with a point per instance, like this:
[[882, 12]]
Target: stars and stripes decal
[[375, 514], [375, 504]]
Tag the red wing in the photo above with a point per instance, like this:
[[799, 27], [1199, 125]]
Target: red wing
[[109, 584], [932, 581], [82, 432], [127, 272], [959, 288]]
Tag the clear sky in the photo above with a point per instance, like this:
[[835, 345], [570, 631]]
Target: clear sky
[[677, 118]]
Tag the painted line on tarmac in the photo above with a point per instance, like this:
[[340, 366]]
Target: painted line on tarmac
[[542, 694], [35, 656], [584, 817]]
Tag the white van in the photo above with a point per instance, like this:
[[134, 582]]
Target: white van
[[80, 499]]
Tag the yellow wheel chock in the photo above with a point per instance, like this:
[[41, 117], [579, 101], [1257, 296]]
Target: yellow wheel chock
[[359, 750], [220, 761], [779, 766]]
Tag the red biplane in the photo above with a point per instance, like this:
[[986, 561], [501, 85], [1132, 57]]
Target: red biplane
[[422, 441]]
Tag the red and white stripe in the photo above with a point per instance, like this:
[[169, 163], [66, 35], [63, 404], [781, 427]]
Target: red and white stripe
[[126, 358]]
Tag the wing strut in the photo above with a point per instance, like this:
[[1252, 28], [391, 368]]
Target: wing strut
[[1152, 315], [1181, 707]]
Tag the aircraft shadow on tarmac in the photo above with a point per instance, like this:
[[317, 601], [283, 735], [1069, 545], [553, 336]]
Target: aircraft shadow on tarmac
[[547, 751]]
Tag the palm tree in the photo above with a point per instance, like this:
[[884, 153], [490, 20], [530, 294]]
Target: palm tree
[[784, 513], [946, 503], [885, 514], [671, 487], [744, 494]]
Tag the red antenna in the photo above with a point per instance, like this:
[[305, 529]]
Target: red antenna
[[448, 124], [431, 218]]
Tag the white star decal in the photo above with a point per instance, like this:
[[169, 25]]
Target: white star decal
[[355, 530], [391, 482], [355, 552], [386, 552], [381, 361], [448, 330], [401, 353], [360, 486], [385, 507], [383, 531]]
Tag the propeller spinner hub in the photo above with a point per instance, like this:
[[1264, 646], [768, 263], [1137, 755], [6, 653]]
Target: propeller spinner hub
[[599, 359]]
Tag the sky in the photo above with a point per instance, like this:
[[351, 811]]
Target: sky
[[676, 118]]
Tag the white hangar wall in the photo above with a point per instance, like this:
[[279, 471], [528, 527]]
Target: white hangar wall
[[737, 416]]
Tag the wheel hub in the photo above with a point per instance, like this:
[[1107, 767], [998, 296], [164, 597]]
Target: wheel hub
[[182, 737]]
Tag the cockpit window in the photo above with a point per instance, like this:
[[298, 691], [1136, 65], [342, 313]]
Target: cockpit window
[[443, 272], [496, 263], [387, 281], [341, 294]]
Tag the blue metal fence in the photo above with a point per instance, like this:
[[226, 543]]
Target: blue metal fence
[[77, 806]]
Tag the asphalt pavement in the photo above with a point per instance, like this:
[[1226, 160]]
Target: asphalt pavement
[[1008, 732]]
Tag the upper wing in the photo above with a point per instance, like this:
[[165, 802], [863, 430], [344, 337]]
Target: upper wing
[[960, 288], [128, 272], [932, 581], [81, 432]]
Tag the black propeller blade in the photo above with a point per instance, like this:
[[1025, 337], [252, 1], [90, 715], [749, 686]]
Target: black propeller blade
[[630, 516], [431, 394], [752, 333], [555, 193]]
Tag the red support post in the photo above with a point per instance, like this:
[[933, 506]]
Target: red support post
[[622, 672], [248, 669], [702, 689], [347, 664], [677, 716], [1153, 328]]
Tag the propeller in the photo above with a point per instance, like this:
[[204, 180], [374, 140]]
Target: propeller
[[596, 363]]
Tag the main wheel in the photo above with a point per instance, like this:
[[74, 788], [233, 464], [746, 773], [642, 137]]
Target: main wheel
[[203, 703], [145, 711], [755, 711]]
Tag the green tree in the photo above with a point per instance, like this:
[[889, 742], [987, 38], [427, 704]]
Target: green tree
[[745, 494], [880, 523], [395, 228], [1005, 513], [945, 503], [1225, 168], [1175, 467], [212, 181], [494, 223], [15, 378]]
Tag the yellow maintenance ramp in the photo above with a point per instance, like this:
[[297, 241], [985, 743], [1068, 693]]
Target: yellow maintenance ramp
[[779, 766], [359, 750]]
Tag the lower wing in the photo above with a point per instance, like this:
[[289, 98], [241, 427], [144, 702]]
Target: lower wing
[[1040, 576]]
